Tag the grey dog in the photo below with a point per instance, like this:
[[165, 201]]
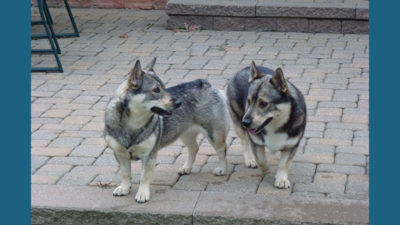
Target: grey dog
[[267, 110], [145, 116]]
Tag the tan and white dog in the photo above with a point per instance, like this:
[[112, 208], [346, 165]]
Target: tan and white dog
[[267, 111]]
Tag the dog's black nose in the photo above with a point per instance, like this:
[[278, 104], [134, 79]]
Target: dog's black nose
[[246, 122], [177, 103]]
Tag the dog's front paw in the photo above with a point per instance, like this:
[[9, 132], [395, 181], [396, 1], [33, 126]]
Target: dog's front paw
[[219, 171], [121, 190], [143, 195], [282, 182], [251, 163], [184, 170]]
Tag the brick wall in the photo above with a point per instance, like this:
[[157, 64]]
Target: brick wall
[[141, 4]]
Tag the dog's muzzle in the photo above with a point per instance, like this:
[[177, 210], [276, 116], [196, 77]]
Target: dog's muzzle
[[247, 122], [177, 103], [160, 111]]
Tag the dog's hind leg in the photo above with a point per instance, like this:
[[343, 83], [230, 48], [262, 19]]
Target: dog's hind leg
[[219, 144], [259, 155], [189, 139], [281, 177], [222, 167], [148, 165]]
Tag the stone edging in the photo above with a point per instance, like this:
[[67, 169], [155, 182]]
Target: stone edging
[[56, 204], [260, 15]]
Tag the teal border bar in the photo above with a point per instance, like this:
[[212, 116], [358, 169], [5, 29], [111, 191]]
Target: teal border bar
[[15, 112], [384, 111]]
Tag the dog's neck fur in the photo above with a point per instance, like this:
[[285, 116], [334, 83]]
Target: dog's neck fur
[[134, 129], [138, 118], [131, 119], [138, 114]]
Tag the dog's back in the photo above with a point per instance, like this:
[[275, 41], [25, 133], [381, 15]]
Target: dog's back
[[202, 107]]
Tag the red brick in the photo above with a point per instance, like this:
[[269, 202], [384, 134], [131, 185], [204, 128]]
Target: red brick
[[50, 3], [80, 3], [109, 3], [141, 4], [159, 4]]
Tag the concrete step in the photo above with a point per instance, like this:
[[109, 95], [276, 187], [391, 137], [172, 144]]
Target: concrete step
[[56, 204], [315, 16]]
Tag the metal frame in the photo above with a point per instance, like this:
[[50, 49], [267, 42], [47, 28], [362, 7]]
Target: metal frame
[[60, 35], [46, 20]]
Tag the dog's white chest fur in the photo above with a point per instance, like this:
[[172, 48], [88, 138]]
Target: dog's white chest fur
[[276, 141], [144, 147], [138, 151]]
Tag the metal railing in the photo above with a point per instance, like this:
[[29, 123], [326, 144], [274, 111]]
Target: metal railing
[[47, 22]]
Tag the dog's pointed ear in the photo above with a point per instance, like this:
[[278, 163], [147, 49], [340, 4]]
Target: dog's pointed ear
[[254, 74], [136, 76], [150, 66], [279, 81]]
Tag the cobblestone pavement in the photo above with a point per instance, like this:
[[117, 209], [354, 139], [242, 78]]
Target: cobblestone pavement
[[68, 109]]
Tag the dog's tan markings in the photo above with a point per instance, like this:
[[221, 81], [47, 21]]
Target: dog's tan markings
[[279, 82], [254, 73], [166, 100], [136, 77]]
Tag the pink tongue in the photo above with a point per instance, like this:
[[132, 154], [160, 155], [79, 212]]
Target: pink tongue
[[252, 131]]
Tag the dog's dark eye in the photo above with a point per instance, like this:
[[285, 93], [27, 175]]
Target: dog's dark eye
[[263, 104], [156, 90], [248, 101]]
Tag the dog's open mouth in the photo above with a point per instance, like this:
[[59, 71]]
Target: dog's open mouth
[[258, 129], [160, 111]]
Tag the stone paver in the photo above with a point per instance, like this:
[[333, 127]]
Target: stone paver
[[332, 178], [68, 109], [358, 184]]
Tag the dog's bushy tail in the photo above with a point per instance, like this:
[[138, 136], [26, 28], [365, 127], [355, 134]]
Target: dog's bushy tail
[[225, 112]]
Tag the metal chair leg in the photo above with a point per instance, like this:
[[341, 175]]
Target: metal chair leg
[[62, 35], [71, 17], [51, 38], [46, 10], [48, 20], [53, 34]]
